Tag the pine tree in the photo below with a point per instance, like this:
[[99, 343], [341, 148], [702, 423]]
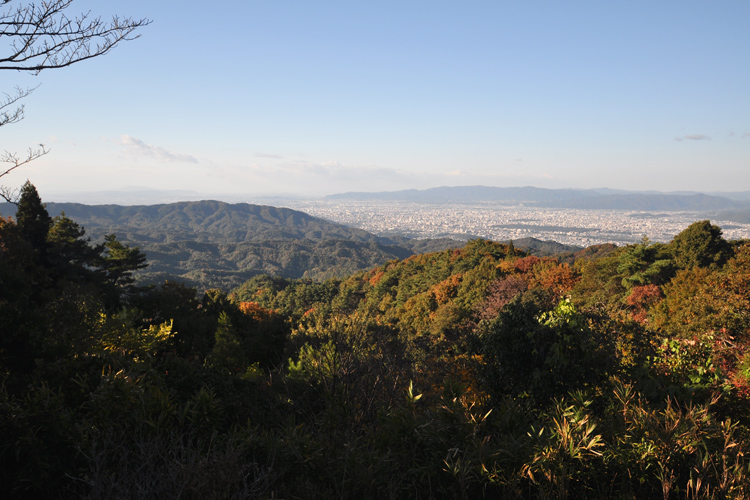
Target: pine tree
[[121, 261], [32, 217]]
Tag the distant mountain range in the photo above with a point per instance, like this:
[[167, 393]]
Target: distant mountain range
[[606, 199]]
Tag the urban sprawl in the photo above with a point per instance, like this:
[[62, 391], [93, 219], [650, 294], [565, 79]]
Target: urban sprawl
[[505, 222]]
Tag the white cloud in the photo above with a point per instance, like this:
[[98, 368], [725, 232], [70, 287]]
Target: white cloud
[[137, 147], [265, 155]]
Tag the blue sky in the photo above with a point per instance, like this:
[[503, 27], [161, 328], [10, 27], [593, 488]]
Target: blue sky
[[270, 97]]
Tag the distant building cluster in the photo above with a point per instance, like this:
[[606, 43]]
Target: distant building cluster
[[504, 222]]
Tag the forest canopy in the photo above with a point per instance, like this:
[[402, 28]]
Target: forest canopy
[[476, 372]]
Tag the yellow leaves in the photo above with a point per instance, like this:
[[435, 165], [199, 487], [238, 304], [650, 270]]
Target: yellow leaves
[[506, 266], [119, 334]]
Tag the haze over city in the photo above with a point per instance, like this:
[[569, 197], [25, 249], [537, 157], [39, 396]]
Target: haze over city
[[316, 98]]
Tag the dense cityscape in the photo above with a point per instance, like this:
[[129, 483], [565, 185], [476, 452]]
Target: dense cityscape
[[504, 222]]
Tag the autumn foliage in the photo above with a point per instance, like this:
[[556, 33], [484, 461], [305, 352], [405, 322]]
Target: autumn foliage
[[479, 372]]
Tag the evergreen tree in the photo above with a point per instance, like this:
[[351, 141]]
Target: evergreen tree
[[227, 354], [71, 255], [121, 261], [32, 217], [511, 251]]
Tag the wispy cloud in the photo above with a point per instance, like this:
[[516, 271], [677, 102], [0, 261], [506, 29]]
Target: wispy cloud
[[341, 171], [137, 147], [693, 137], [746, 135], [265, 155]]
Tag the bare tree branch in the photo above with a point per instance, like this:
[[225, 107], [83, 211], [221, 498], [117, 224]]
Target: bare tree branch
[[15, 161], [10, 195], [9, 116], [43, 36]]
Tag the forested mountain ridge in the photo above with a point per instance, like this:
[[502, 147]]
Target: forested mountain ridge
[[212, 244], [213, 221]]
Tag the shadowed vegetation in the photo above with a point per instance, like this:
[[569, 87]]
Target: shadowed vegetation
[[478, 372]]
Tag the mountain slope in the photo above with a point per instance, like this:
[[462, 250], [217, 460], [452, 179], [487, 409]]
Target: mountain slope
[[208, 221], [211, 244]]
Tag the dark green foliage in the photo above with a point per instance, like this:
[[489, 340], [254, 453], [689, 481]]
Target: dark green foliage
[[644, 264], [32, 217], [600, 283], [39, 436], [57, 284], [700, 245], [193, 328], [227, 354], [534, 353], [121, 261], [72, 253]]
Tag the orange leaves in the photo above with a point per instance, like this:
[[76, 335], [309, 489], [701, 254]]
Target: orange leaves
[[447, 289], [556, 277], [376, 278], [549, 274], [255, 311], [526, 264]]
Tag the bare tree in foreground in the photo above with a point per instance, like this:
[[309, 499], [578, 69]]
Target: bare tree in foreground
[[39, 36]]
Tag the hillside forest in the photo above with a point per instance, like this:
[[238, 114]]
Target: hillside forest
[[473, 372], [211, 244]]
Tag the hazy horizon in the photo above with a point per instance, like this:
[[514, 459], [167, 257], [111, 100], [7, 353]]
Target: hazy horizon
[[137, 195]]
